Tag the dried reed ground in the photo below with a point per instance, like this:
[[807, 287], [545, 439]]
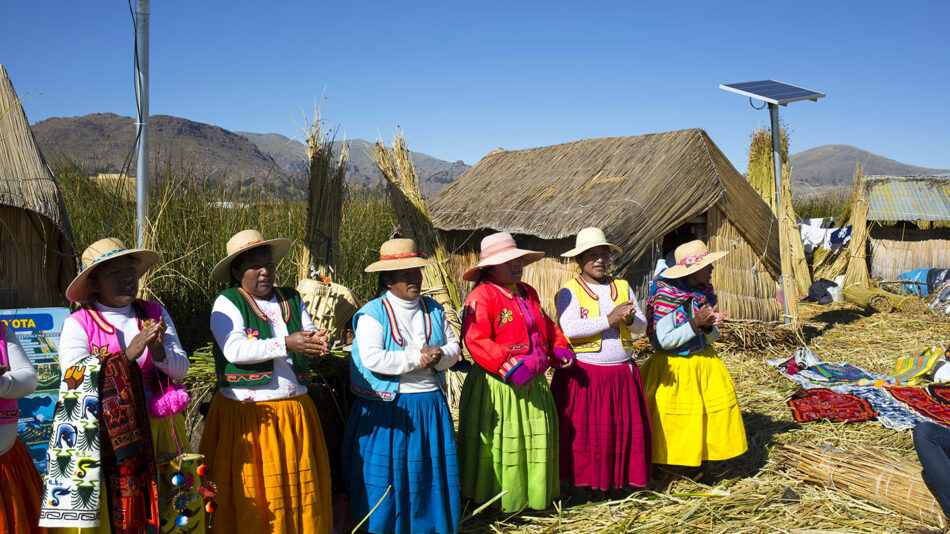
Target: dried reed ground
[[752, 493]]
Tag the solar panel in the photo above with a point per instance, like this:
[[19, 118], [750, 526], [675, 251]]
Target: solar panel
[[772, 91]]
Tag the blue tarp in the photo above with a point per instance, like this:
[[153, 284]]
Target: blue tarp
[[917, 275]]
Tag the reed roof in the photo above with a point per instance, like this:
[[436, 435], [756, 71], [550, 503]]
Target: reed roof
[[25, 179], [636, 188]]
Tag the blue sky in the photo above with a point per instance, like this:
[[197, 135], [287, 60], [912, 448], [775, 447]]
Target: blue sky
[[464, 78]]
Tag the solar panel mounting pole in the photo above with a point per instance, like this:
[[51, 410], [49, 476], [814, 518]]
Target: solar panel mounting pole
[[141, 124], [777, 172], [775, 94]]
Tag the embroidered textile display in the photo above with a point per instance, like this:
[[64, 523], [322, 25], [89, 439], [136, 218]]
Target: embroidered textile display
[[71, 484], [818, 403], [939, 393], [922, 403], [840, 372], [891, 413]]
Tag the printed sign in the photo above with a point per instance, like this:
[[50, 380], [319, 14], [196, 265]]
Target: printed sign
[[38, 330]]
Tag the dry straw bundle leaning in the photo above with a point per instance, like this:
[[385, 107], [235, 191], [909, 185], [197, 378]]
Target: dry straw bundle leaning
[[866, 473], [396, 166], [761, 163], [325, 207], [830, 264], [857, 273]]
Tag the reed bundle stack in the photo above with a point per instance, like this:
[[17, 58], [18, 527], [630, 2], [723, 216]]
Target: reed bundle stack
[[882, 301], [866, 473], [857, 272], [37, 260], [761, 178], [827, 264], [397, 167], [325, 171]]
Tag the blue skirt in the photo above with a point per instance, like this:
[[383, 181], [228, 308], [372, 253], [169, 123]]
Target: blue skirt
[[408, 445]]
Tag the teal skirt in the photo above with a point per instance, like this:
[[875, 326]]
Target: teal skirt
[[508, 440]]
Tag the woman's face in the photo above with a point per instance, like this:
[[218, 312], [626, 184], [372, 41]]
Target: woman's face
[[256, 272], [509, 272], [595, 262], [405, 283], [116, 282], [702, 276]]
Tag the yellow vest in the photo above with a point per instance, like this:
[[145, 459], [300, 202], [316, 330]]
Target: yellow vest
[[590, 307]]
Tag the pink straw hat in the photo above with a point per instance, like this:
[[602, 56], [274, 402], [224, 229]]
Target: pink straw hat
[[497, 249]]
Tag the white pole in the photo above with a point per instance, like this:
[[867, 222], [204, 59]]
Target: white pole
[[777, 171], [141, 124]]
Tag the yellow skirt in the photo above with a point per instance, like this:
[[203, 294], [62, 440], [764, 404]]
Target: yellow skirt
[[270, 465], [163, 441], [694, 412]]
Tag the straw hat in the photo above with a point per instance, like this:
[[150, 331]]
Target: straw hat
[[98, 253], [691, 257], [589, 238], [497, 249], [398, 254], [242, 242]]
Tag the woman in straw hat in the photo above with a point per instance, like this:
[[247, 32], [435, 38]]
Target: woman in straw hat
[[21, 488], [692, 399], [508, 429], [399, 438], [262, 439], [604, 420], [140, 405]]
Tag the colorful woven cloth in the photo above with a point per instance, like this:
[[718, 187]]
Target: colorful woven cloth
[[891, 413], [669, 295], [819, 403], [911, 370], [939, 393], [840, 372], [922, 403]]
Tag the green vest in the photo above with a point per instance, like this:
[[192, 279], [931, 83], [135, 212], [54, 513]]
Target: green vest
[[256, 326]]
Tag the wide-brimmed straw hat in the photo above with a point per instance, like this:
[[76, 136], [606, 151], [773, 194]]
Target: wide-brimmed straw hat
[[97, 254], [398, 254], [497, 249], [242, 242], [589, 238], [691, 257]]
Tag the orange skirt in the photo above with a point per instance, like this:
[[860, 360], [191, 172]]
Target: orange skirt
[[270, 465], [21, 492]]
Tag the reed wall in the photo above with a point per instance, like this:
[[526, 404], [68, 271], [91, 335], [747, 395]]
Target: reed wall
[[897, 249]]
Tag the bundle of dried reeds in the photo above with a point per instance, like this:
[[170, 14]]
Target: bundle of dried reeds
[[761, 178], [866, 473], [397, 167], [326, 172], [829, 265], [857, 273], [883, 301]]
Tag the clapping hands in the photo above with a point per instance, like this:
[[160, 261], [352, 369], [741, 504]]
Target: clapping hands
[[151, 337], [310, 343], [707, 317], [429, 356]]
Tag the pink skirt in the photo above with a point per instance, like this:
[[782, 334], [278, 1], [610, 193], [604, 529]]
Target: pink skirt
[[605, 436]]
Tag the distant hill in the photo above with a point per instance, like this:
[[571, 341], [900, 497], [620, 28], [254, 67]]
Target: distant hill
[[101, 141], [290, 155], [833, 165]]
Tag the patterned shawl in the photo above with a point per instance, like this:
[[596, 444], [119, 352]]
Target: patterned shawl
[[669, 295]]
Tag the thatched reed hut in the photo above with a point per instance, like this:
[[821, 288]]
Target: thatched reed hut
[[909, 223], [37, 259], [649, 193]]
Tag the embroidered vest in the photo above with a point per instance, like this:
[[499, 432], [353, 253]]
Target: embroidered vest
[[590, 307], [9, 412], [378, 386], [257, 326]]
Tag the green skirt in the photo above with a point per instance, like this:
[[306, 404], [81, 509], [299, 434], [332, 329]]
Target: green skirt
[[508, 440]]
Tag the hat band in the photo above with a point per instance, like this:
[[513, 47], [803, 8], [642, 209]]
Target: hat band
[[249, 243], [104, 256], [689, 261], [401, 255]]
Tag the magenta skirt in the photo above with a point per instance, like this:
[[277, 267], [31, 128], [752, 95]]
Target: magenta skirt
[[605, 436]]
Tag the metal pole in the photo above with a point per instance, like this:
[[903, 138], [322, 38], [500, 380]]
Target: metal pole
[[777, 171], [141, 124]]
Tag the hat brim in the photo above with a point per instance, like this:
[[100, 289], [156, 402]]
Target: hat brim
[[398, 265], [679, 271], [577, 251], [79, 290], [530, 256], [279, 248]]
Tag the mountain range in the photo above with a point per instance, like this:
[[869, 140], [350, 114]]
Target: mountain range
[[100, 142]]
